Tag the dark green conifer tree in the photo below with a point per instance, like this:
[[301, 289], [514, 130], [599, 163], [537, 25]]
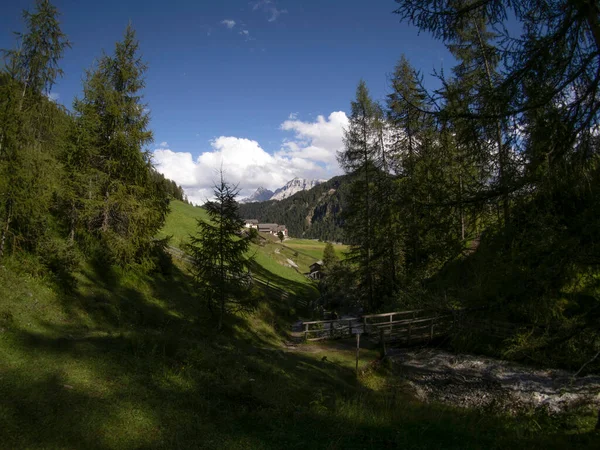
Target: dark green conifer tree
[[29, 132], [218, 250], [122, 203], [360, 158]]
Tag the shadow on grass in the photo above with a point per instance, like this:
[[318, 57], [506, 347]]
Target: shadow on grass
[[126, 392], [148, 376], [303, 293]]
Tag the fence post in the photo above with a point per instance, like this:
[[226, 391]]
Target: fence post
[[364, 324], [350, 327], [391, 320], [331, 329], [431, 330], [357, 350], [382, 342], [306, 332], [409, 332]]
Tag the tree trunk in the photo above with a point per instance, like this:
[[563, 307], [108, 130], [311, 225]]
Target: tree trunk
[[6, 229], [592, 20], [73, 221], [368, 216], [502, 151], [462, 212], [221, 263], [105, 212]]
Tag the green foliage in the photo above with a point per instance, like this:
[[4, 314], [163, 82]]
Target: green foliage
[[32, 131], [218, 251], [330, 258], [501, 183], [125, 204]]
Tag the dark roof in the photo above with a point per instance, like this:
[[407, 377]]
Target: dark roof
[[317, 265], [251, 221]]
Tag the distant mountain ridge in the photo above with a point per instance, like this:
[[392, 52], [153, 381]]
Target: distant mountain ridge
[[290, 188], [260, 195], [315, 213], [294, 186]]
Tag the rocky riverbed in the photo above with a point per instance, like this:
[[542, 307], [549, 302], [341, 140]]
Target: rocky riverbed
[[474, 381]]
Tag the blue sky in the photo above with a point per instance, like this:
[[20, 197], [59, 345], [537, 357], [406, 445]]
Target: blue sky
[[224, 76]]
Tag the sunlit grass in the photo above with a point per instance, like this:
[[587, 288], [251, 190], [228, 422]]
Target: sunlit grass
[[132, 361], [182, 222], [315, 248]]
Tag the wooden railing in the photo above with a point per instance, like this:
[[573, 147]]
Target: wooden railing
[[400, 326], [331, 329], [409, 326]]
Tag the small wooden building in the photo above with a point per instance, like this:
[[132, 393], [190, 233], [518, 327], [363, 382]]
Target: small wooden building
[[316, 272]]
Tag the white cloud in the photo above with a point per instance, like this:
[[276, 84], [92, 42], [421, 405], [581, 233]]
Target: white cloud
[[310, 154], [246, 35], [163, 144], [318, 141], [270, 7], [54, 96], [228, 23]]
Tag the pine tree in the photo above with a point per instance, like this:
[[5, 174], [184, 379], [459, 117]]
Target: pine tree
[[29, 134], [219, 252], [360, 158], [406, 112], [122, 202], [330, 259]]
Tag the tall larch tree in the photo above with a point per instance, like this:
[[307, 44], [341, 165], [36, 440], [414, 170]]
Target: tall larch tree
[[28, 133], [359, 158], [123, 204]]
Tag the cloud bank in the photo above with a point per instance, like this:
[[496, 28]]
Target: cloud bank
[[310, 153]]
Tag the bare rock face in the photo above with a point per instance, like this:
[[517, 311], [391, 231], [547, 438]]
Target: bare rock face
[[260, 195], [293, 186]]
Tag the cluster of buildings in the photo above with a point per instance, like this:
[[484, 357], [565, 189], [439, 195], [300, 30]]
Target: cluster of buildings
[[270, 228], [316, 269]]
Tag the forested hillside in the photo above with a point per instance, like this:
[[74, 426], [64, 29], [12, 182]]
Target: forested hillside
[[483, 194], [312, 214]]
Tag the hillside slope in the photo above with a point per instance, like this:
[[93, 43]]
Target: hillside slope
[[130, 360], [312, 214], [271, 259]]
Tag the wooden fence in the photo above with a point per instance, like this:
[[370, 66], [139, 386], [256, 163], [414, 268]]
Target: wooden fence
[[398, 326], [265, 285], [332, 329]]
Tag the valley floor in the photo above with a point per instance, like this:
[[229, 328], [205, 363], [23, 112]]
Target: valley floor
[[128, 360]]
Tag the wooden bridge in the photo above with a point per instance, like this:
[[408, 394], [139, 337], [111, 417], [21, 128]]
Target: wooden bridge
[[404, 327]]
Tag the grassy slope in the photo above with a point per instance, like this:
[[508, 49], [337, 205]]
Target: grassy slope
[[271, 258], [314, 248], [129, 360], [181, 222]]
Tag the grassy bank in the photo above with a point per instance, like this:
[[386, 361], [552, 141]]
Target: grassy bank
[[270, 257], [132, 360], [314, 248]]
